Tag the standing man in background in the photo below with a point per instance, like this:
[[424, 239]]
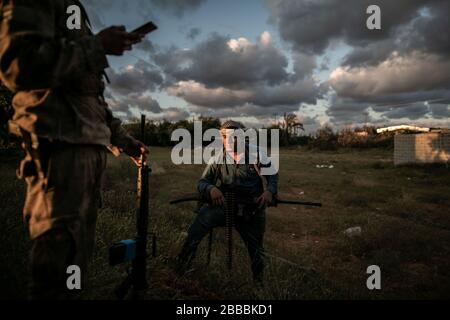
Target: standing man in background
[[57, 75]]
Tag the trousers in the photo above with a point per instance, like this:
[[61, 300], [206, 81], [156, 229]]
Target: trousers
[[60, 212], [250, 228]]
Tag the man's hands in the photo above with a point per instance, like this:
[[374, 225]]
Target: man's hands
[[217, 197], [135, 150], [116, 40], [264, 199]]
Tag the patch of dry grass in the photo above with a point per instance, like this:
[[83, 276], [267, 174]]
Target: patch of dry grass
[[403, 213]]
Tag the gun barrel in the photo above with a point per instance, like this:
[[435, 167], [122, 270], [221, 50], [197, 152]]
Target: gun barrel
[[303, 203], [197, 197]]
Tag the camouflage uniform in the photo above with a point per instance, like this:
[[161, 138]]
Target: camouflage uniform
[[249, 225], [56, 75]]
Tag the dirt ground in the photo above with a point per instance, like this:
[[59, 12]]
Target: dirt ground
[[402, 212]]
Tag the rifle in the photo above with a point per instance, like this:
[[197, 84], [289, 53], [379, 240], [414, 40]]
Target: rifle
[[135, 250], [275, 202], [232, 201]]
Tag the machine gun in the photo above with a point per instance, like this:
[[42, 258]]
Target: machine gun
[[237, 200], [135, 250]]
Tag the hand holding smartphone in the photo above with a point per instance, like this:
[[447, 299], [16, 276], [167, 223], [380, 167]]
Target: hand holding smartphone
[[115, 40], [145, 28]]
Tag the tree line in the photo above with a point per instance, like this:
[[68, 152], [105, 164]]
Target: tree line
[[158, 133]]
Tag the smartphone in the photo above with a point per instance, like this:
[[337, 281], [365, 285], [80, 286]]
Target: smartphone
[[146, 28]]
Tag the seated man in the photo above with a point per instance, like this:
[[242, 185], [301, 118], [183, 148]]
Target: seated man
[[240, 176]]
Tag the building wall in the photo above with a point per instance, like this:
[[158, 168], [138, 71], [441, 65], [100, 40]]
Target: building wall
[[421, 148]]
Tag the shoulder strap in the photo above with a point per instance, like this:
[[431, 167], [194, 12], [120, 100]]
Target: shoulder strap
[[257, 167], [218, 175]]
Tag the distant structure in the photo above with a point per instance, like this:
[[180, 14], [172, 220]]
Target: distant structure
[[403, 128], [416, 145]]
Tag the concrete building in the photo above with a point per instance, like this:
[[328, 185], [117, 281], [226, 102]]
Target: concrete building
[[432, 147]]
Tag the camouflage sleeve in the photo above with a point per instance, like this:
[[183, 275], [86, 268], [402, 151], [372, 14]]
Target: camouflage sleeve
[[119, 136], [206, 182], [31, 53]]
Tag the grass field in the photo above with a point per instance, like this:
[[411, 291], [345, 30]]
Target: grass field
[[403, 212]]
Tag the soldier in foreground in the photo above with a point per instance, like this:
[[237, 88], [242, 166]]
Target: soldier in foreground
[[57, 75], [250, 224]]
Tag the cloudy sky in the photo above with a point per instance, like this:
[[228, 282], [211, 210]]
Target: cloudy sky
[[254, 60]]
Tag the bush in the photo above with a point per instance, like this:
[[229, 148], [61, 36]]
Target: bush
[[159, 133], [324, 139], [301, 140], [366, 137]]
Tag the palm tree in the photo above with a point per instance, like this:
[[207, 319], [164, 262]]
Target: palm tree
[[291, 125]]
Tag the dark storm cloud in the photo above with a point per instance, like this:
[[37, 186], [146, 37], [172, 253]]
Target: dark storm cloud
[[139, 101], [126, 107], [370, 55], [139, 77], [197, 94], [396, 88], [287, 94], [347, 110], [131, 87], [311, 25], [343, 111], [215, 63], [303, 65], [397, 74], [393, 71], [412, 112], [428, 33], [222, 73], [412, 106], [440, 111], [381, 103], [243, 111]]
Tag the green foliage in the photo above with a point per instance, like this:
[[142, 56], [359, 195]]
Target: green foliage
[[158, 133], [325, 139], [366, 137]]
